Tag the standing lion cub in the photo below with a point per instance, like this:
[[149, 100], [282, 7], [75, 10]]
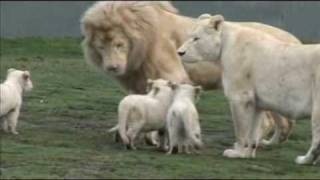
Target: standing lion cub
[[145, 113], [261, 73], [183, 125], [11, 92]]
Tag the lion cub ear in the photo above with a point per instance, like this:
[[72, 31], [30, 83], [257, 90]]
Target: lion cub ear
[[149, 84], [173, 85], [204, 16], [216, 22], [26, 75], [197, 92], [10, 70]]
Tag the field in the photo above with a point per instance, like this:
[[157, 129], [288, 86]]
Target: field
[[64, 120]]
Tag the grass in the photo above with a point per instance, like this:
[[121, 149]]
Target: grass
[[64, 120]]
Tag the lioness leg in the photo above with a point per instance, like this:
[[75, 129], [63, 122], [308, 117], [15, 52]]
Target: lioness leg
[[243, 115], [314, 151]]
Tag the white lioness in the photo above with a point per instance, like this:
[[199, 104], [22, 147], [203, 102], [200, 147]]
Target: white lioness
[[261, 73], [182, 125], [145, 113], [11, 92]]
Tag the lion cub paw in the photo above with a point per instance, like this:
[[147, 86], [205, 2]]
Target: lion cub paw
[[236, 153]]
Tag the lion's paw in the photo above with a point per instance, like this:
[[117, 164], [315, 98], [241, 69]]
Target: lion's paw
[[304, 160], [233, 153]]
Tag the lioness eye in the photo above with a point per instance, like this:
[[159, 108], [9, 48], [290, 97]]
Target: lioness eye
[[196, 38]]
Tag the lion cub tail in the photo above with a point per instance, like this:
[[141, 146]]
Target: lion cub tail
[[115, 128], [122, 125]]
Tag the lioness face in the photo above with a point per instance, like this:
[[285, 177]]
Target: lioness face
[[113, 49], [204, 42]]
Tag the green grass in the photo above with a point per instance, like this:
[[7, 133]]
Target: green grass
[[64, 120]]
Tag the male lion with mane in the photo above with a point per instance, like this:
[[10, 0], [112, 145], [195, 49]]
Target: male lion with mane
[[133, 41]]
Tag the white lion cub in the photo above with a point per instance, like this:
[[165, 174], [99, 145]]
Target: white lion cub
[[182, 125], [12, 90], [145, 113]]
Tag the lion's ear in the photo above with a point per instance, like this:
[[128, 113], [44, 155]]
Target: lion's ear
[[204, 16], [216, 22]]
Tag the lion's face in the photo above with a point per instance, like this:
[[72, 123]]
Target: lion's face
[[113, 49], [204, 41]]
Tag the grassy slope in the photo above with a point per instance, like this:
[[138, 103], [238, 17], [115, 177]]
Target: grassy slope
[[64, 121]]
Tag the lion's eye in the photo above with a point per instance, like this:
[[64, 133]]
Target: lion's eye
[[100, 47], [119, 45], [196, 38]]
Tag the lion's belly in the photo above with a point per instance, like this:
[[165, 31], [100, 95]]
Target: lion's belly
[[285, 87]]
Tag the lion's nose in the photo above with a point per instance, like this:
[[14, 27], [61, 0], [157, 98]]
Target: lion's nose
[[181, 53], [112, 68]]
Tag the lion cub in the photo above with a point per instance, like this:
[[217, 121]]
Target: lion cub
[[182, 125], [144, 113], [12, 90]]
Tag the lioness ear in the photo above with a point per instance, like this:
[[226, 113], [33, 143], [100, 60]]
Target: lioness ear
[[173, 85], [10, 70], [216, 22], [204, 16]]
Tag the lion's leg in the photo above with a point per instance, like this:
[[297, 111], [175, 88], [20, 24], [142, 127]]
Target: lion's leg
[[151, 138], [275, 139], [162, 140], [132, 133], [13, 120], [254, 130], [5, 124], [283, 128], [171, 138], [243, 114], [314, 151]]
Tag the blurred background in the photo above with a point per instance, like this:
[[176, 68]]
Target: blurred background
[[61, 19]]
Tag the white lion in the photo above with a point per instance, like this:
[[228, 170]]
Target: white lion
[[183, 125], [261, 73], [145, 113], [12, 90]]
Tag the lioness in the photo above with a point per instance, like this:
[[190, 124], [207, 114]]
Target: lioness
[[12, 90], [261, 73]]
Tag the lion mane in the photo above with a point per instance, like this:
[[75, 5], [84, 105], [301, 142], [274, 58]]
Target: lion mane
[[139, 21]]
